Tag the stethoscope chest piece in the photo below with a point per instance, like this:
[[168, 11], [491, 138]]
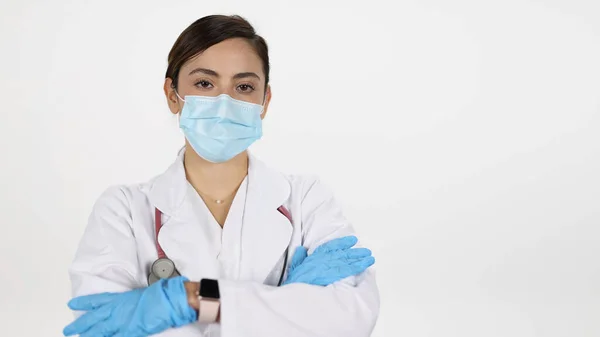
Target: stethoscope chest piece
[[162, 268]]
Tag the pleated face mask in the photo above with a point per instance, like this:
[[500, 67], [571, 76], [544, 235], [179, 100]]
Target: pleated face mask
[[219, 128]]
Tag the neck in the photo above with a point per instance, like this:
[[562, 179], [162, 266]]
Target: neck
[[215, 180]]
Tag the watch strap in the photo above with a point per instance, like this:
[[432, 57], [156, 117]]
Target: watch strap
[[208, 310]]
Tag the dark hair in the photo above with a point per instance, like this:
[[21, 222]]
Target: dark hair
[[208, 31]]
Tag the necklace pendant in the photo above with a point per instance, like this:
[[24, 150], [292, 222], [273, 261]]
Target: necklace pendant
[[219, 201]]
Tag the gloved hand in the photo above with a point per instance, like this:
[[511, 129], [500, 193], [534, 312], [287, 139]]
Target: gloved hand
[[136, 313], [329, 263]]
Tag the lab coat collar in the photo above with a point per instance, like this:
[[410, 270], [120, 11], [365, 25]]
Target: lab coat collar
[[265, 234], [267, 188], [168, 190]]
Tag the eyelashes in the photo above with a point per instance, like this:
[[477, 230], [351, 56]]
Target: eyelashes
[[244, 88], [203, 84]]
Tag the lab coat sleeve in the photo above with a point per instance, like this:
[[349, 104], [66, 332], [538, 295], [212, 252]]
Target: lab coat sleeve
[[106, 259], [348, 308]]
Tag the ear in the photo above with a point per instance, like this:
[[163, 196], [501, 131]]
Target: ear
[[267, 101], [172, 99]]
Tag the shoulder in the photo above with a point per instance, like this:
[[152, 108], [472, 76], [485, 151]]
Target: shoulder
[[307, 184], [300, 187], [320, 214], [122, 196], [310, 190]]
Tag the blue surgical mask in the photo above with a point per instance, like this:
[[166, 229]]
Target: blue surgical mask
[[219, 128]]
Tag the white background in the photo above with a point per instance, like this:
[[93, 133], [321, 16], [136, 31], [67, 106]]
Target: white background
[[463, 138]]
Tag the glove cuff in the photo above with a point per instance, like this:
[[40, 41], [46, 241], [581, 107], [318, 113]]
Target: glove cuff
[[174, 290]]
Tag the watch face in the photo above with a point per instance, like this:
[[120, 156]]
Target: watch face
[[209, 288]]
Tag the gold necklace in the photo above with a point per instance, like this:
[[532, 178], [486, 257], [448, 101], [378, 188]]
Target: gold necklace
[[217, 201]]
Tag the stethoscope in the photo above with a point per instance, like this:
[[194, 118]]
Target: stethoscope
[[164, 267]]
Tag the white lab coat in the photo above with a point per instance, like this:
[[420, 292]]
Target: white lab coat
[[246, 255]]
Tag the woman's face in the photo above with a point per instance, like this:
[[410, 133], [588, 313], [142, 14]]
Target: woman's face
[[230, 67]]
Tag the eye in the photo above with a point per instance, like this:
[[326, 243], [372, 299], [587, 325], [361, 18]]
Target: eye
[[245, 88], [203, 84]]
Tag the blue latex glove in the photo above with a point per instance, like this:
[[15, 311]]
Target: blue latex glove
[[136, 313], [329, 263]]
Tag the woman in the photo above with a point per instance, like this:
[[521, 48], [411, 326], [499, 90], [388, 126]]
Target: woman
[[202, 249]]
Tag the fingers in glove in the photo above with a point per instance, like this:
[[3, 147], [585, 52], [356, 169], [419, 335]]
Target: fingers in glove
[[91, 302], [362, 264], [342, 243], [343, 255], [357, 253], [87, 321], [350, 267], [298, 257], [99, 330]]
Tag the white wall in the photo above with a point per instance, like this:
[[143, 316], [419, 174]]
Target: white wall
[[463, 138]]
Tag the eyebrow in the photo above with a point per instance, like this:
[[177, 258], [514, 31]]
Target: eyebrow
[[204, 71], [246, 74], [211, 72]]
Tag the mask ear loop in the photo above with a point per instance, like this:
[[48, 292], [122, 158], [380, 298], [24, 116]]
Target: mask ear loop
[[263, 104], [183, 100], [176, 93]]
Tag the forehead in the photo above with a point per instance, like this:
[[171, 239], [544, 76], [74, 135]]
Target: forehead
[[227, 58]]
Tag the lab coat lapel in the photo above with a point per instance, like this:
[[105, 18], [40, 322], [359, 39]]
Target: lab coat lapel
[[266, 233], [185, 235], [168, 190]]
